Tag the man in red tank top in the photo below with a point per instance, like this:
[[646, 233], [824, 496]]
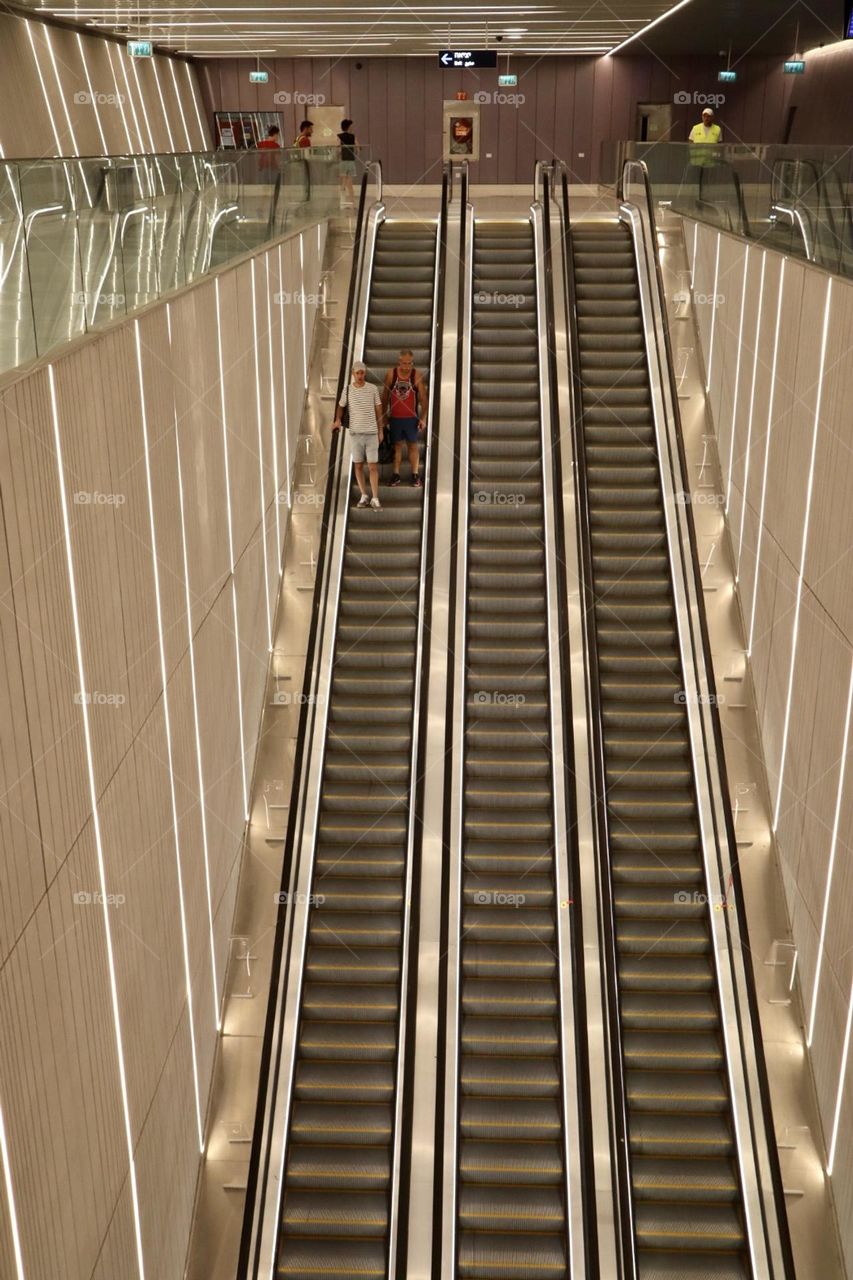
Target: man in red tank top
[[404, 401]]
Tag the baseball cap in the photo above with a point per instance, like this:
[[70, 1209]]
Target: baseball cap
[[358, 367]]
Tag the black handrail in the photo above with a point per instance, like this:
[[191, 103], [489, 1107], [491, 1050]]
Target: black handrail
[[587, 1161], [407, 1084], [719, 749], [618, 1092], [269, 1070]]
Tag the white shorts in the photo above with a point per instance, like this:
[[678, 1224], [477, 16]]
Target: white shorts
[[364, 448]]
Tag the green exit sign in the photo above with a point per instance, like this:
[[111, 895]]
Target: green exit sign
[[140, 48], [727, 77], [259, 77], [795, 67], [507, 82]]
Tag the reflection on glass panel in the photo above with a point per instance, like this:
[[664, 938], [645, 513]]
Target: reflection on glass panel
[[84, 241]]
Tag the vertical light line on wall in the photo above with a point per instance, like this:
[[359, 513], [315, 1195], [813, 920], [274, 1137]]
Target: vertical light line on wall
[[281, 315], [751, 411], [167, 724], [803, 550], [179, 101], [695, 247], [92, 94], [302, 296], [842, 1075], [145, 114], [47, 105], [119, 97], [833, 849], [231, 550], [61, 93], [141, 141], [737, 379], [766, 466], [96, 822], [169, 135], [713, 315], [10, 1199], [201, 138], [274, 423], [260, 417], [202, 791]]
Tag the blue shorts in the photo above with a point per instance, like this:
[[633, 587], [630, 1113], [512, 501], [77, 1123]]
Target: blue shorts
[[404, 429]]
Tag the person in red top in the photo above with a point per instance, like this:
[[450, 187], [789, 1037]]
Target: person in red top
[[404, 402], [271, 140], [305, 130]]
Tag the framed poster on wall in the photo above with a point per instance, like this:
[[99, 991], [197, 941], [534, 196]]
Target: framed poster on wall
[[461, 132]]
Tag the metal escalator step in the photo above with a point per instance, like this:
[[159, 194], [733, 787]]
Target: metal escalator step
[[671, 1051], [510, 1119], [665, 974], [347, 1213], [331, 1123], [535, 1209], [511, 993], [356, 1082], [676, 1091], [509, 1077], [347, 1041], [667, 1011], [510, 1163], [337, 964], [671, 1134], [348, 1002], [361, 1167], [492, 1256], [709, 1179], [307, 1258], [681, 1265], [697, 1226], [646, 938], [518, 1036], [354, 928]]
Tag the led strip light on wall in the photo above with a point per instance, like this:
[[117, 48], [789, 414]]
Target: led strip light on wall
[[201, 133], [836, 1120], [833, 849], [231, 550], [92, 94], [713, 315], [261, 486], [803, 551], [766, 459], [180, 103], [10, 1200], [737, 377], [119, 98], [284, 385], [167, 724], [751, 410], [96, 825], [273, 422], [169, 135]]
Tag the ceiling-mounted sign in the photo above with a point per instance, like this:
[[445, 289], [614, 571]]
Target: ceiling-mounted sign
[[454, 58], [507, 82], [140, 49], [259, 77], [794, 67], [727, 77]]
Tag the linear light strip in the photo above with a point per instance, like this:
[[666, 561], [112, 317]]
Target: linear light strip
[[202, 792], [737, 377], [146, 115], [231, 551], [302, 294], [48, 108], [10, 1199], [842, 1075], [260, 417], [154, 62], [96, 823], [119, 96], [661, 18], [63, 100], [833, 849], [92, 94], [284, 385], [121, 62], [167, 722], [766, 459], [191, 77], [180, 103], [751, 411], [273, 423], [713, 315], [803, 550]]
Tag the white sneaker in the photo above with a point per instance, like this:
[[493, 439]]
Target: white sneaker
[[364, 500], [376, 504]]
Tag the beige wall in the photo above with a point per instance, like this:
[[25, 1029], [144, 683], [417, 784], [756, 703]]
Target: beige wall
[[769, 468], [66, 94], [165, 846]]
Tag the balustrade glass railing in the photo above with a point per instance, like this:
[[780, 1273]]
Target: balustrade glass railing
[[84, 240], [796, 199]]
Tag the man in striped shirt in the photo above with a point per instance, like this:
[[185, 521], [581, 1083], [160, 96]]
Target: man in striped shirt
[[365, 428]]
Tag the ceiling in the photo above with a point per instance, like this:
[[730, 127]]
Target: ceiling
[[332, 28]]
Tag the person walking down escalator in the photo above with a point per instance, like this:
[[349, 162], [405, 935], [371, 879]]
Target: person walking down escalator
[[404, 401], [364, 403]]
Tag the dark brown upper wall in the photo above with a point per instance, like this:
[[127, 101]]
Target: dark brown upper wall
[[571, 105], [822, 97]]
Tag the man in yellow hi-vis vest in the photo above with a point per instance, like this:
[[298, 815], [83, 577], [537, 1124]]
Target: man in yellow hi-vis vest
[[702, 135]]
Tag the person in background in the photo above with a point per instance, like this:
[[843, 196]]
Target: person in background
[[706, 133], [272, 140], [348, 142], [404, 401], [366, 430], [304, 137]]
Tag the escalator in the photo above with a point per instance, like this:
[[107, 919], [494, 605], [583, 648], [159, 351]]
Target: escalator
[[687, 1199], [511, 1213], [339, 1165]]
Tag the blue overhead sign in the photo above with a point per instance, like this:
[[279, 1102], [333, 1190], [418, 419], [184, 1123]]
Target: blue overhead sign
[[454, 58]]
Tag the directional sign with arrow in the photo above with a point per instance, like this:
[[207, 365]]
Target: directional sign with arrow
[[454, 58]]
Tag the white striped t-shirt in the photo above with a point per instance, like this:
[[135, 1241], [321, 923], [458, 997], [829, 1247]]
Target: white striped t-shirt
[[362, 407]]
